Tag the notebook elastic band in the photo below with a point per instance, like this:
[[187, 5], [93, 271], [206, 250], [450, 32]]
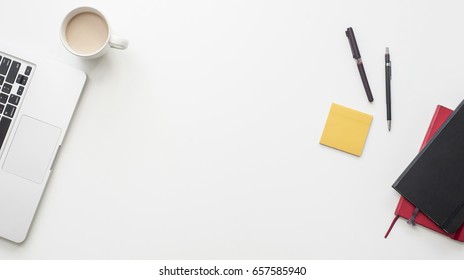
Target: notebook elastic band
[[412, 220]]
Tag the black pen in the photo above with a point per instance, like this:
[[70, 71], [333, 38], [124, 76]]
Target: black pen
[[357, 56], [387, 85]]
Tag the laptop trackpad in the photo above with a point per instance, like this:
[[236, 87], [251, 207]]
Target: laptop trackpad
[[32, 149]]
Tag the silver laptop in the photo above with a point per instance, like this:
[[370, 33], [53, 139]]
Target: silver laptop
[[37, 100]]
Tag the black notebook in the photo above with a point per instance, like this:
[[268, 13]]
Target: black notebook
[[434, 180]]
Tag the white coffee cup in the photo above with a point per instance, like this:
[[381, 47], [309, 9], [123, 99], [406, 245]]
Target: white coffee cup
[[85, 32]]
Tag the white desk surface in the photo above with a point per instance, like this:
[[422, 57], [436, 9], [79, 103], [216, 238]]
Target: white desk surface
[[201, 140]]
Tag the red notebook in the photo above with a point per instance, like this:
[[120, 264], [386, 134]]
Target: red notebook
[[406, 209]]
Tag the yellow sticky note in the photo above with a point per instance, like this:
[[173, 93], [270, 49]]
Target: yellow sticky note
[[346, 129]]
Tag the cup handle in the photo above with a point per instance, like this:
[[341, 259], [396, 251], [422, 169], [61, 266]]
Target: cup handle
[[118, 42]]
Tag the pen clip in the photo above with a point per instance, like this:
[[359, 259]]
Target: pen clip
[[353, 45], [390, 69]]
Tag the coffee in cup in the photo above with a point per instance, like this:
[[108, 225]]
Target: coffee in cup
[[85, 32]]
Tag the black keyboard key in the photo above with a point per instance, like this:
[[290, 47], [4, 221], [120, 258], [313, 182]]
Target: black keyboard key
[[9, 110], [20, 90], [14, 99], [2, 79], [24, 80], [4, 125], [1, 108], [21, 79], [5, 65], [11, 77], [3, 98], [6, 88], [28, 70]]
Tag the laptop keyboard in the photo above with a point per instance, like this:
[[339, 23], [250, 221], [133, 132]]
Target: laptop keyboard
[[14, 77]]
